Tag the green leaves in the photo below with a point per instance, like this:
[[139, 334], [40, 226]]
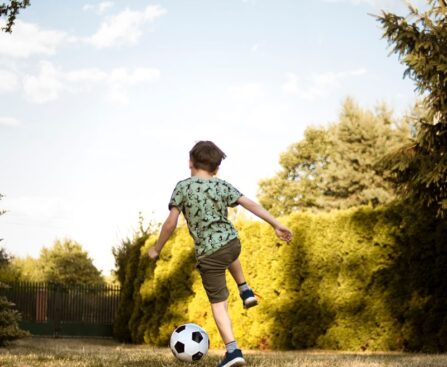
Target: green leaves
[[336, 166]]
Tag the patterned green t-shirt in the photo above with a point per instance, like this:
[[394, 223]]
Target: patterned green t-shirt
[[204, 203]]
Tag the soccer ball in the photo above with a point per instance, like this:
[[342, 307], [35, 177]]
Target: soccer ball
[[189, 342]]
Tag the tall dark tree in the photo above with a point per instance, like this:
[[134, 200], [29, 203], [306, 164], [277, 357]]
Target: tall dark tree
[[10, 11], [420, 41]]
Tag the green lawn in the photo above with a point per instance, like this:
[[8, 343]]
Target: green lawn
[[81, 352]]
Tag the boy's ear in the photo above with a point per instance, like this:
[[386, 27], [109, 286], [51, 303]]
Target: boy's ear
[[191, 166]]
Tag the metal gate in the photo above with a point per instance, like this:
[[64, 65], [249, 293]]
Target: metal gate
[[61, 310]]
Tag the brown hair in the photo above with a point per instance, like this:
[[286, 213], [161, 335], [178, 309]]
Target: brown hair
[[206, 155]]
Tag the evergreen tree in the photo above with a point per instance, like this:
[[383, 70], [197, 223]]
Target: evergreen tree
[[11, 11], [9, 319], [335, 167], [420, 40]]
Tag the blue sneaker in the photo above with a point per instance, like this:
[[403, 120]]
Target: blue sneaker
[[233, 359], [248, 298]]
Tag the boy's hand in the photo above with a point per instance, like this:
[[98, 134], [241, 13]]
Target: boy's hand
[[283, 233], [153, 253]]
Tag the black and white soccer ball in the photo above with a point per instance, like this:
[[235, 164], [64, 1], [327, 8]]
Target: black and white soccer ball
[[189, 343]]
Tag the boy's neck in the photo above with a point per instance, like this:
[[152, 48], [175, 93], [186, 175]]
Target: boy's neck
[[201, 173]]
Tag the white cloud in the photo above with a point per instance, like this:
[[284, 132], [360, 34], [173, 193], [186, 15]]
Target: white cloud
[[101, 8], [317, 85], [28, 39], [255, 47], [9, 121], [88, 7], [247, 91], [125, 28], [8, 81], [52, 81], [46, 86]]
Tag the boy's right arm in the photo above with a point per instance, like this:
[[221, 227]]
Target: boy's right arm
[[167, 229], [281, 231]]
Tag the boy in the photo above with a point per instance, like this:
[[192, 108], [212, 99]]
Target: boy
[[203, 199]]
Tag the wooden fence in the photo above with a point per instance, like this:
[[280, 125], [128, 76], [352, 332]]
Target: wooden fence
[[56, 309]]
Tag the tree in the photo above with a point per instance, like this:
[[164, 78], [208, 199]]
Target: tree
[[27, 269], [9, 321], [11, 11], [67, 263], [335, 167], [420, 41]]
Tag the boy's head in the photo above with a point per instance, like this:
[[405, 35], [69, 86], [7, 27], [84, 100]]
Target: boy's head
[[207, 156]]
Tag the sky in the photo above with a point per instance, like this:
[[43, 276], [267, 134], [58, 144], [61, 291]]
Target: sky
[[101, 102]]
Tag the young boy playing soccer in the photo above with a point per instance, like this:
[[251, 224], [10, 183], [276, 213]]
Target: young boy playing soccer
[[204, 200]]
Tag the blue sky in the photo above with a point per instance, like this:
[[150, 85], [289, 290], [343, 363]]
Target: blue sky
[[101, 102]]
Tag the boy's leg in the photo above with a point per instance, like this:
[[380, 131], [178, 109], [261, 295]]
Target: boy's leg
[[236, 272], [247, 295], [234, 356], [223, 321]]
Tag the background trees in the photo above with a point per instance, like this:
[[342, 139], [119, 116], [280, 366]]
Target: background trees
[[335, 167], [420, 167], [67, 263]]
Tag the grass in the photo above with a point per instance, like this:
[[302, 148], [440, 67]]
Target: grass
[[45, 352]]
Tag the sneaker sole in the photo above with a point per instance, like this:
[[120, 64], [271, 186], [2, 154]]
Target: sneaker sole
[[235, 362], [250, 302]]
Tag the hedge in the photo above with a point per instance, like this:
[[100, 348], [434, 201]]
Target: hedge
[[357, 279]]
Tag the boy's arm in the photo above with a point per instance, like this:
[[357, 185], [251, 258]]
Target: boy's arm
[[167, 229], [281, 231]]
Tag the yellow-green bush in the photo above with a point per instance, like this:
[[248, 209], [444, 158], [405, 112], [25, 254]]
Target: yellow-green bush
[[358, 279]]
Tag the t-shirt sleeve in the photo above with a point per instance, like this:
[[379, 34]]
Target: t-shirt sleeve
[[177, 198], [233, 195]]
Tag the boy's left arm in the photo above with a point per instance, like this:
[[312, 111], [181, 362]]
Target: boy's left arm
[[167, 229], [281, 231]]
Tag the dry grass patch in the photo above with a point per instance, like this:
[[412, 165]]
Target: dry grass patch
[[46, 352]]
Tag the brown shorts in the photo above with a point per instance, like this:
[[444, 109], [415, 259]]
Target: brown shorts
[[212, 270]]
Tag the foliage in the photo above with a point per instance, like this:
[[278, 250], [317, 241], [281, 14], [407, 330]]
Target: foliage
[[9, 319], [420, 40], [10, 11], [128, 265], [8, 272], [357, 279], [335, 166], [26, 269], [67, 263]]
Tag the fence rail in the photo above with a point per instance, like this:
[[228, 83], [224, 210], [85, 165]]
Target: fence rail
[[57, 307]]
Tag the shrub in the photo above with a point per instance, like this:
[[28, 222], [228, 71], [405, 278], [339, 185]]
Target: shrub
[[357, 279]]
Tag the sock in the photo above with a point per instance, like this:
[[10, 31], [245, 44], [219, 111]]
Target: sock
[[231, 346], [243, 287]]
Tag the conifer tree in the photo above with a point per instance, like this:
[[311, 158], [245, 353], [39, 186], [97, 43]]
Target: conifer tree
[[336, 166], [9, 321], [420, 41], [10, 11], [9, 318]]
